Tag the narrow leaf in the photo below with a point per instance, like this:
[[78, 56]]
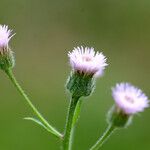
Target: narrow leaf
[[56, 133], [36, 121]]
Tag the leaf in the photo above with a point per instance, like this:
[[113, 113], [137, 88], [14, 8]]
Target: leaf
[[54, 132], [39, 123], [36, 121]]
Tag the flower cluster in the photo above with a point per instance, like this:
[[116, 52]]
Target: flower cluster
[[127, 97], [87, 64]]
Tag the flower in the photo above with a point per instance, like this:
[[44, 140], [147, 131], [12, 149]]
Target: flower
[[87, 61], [5, 36], [129, 99], [7, 60]]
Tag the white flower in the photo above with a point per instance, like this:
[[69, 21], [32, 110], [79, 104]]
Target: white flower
[[129, 99], [86, 60], [5, 36]]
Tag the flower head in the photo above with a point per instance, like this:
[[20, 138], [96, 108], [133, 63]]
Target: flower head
[[6, 55], [129, 99], [87, 61], [5, 36]]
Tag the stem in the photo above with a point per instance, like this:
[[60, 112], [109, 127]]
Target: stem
[[77, 112], [68, 134], [37, 113], [104, 137]]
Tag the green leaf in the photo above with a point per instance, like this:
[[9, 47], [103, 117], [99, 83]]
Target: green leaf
[[37, 122], [54, 132]]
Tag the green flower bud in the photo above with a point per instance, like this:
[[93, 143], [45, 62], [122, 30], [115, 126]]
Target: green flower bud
[[118, 118], [7, 60], [80, 84]]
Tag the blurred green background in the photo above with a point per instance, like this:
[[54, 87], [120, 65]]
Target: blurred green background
[[46, 31]]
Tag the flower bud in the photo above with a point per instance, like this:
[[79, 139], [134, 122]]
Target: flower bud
[[118, 118], [80, 85]]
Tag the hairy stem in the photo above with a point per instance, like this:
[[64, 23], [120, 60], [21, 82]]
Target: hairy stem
[[68, 134], [104, 137], [37, 113]]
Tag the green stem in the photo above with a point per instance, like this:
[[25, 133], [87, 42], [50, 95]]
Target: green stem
[[77, 112], [104, 137], [68, 134], [37, 113]]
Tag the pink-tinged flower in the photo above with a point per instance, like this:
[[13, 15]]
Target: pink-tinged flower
[[5, 36], [87, 61], [7, 60], [129, 99]]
